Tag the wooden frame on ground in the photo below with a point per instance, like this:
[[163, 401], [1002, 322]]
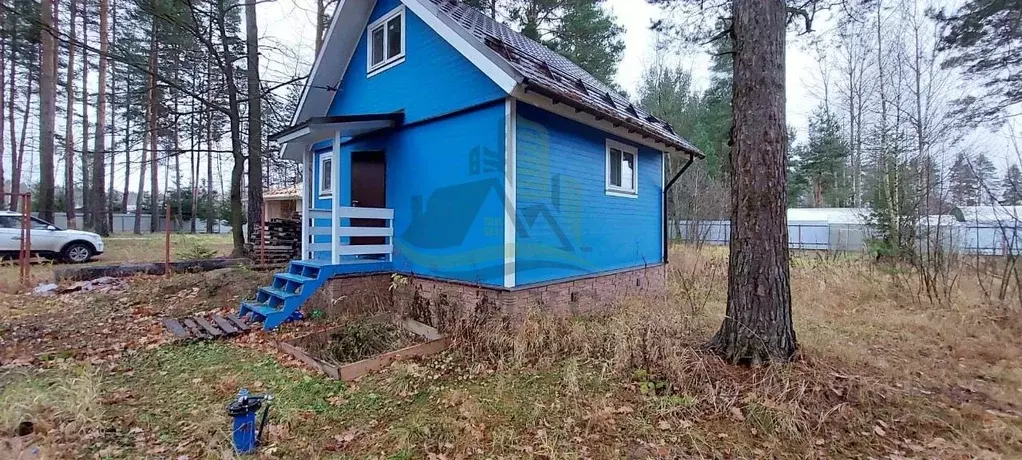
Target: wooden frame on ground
[[435, 343]]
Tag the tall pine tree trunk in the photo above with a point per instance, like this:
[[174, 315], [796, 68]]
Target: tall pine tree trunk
[[140, 197], [15, 169], [255, 119], [18, 152], [234, 119], [85, 156], [211, 214], [177, 153], [320, 24], [151, 113], [69, 139], [193, 167], [757, 328], [98, 197], [47, 107], [3, 112], [127, 159]]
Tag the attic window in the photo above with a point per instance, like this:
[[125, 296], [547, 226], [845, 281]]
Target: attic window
[[631, 110], [652, 119], [386, 42]]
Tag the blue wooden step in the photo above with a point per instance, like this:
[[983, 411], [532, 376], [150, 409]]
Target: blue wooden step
[[278, 293], [260, 309], [292, 277]]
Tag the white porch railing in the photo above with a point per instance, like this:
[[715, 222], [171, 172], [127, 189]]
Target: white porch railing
[[342, 231]]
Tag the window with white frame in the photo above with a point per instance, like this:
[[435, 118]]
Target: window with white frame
[[622, 169], [326, 175], [386, 38]]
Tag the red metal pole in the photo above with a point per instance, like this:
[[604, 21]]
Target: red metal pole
[[262, 235], [26, 240], [166, 245]]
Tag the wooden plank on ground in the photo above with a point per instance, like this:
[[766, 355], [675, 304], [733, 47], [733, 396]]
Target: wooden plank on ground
[[242, 325], [355, 370], [208, 327], [175, 328], [194, 327], [292, 350], [222, 323], [425, 331]]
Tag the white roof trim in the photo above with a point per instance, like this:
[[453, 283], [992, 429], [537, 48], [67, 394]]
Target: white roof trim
[[467, 44], [346, 29], [349, 21]]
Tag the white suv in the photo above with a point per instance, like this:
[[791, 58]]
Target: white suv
[[47, 240]]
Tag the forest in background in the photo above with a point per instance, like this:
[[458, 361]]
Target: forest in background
[[894, 129], [148, 104]]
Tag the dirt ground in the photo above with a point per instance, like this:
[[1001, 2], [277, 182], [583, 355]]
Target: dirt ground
[[883, 373]]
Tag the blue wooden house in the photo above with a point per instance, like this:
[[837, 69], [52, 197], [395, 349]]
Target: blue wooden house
[[438, 143]]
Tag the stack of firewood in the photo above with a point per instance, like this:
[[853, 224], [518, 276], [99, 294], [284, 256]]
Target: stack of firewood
[[277, 243]]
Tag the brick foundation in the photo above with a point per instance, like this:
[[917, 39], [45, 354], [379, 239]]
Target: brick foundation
[[436, 302]]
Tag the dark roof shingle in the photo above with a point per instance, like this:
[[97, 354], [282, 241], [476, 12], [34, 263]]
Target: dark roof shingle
[[555, 76]]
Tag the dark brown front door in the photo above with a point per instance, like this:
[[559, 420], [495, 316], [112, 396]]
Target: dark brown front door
[[368, 190]]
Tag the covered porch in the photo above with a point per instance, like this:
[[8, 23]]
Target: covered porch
[[345, 219]]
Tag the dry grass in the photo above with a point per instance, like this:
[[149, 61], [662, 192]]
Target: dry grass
[[121, 249], [882, 370], [71, 401], [883, 374]]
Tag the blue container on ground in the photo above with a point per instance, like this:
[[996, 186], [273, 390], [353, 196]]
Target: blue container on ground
[[243, 410]]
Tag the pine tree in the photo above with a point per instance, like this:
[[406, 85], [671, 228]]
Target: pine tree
[[986, 178], [984, 38], [1011, 186], [589, 36], [963, 186], [47, 108], [821, 162], [255, 118], [98, 203], [579, 29]]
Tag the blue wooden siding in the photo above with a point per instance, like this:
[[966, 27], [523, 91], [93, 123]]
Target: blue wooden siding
[[445, 182], [567, 224], [435, 79]]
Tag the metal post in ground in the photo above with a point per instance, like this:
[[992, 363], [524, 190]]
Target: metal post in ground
[[262, 235], [26, 240], [166, 245]]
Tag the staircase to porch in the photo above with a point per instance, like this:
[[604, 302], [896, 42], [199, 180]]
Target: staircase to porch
[[282, 300]]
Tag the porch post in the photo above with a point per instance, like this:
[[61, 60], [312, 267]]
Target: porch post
[[335, 201], [306, 201]]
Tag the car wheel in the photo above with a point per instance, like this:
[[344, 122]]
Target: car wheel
[[77, 253]]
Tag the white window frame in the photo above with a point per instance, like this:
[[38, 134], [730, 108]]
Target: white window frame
[[323, 159], [631, 191], [392, 61]]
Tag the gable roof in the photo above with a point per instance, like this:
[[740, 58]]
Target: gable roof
[[514, 62], [557, 77]]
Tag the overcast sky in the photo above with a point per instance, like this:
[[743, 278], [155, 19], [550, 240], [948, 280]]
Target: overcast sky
[[290, 24], [287, 43]]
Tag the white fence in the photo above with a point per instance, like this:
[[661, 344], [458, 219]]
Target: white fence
[[971, 238], [332, 241]]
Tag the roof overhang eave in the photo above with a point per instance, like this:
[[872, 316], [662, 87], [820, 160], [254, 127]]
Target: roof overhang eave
[[297, 139], [664, 143]]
